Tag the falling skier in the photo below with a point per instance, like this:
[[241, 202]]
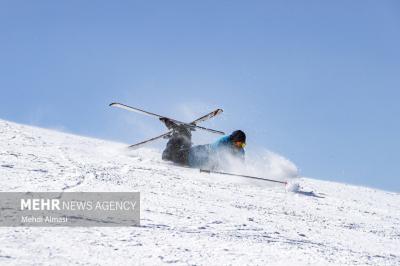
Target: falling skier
[[179, 149], [210, 157], [213, 156]]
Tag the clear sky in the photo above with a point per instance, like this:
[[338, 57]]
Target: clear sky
[[315, 81]]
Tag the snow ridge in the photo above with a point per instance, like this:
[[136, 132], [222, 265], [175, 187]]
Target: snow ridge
[[189, 218]]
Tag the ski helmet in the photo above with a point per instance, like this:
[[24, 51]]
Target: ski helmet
[[238, 136]]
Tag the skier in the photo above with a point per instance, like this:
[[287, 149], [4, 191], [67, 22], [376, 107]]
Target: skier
[[213, 156]]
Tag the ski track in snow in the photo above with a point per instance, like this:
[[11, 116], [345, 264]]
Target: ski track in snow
[[189, 218]]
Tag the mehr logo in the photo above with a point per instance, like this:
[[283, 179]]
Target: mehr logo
[[104, 209], [40, 204]]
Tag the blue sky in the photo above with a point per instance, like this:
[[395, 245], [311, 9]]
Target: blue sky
[[315, 81]]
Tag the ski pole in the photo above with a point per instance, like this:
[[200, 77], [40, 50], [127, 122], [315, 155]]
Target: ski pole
[[246, 176]]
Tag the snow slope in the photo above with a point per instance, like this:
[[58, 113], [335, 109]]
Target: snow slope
[[189, 218]]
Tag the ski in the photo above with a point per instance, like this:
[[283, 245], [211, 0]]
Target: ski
[[192, 125], [137, 145]]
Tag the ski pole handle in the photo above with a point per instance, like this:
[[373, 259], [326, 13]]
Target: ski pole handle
[[205, 171]]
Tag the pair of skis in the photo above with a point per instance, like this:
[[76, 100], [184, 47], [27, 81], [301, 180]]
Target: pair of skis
[[192, 125]]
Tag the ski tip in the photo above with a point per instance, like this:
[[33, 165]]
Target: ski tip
[[111, 104]]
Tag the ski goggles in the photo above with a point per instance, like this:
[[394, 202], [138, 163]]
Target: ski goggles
[[240, 144]]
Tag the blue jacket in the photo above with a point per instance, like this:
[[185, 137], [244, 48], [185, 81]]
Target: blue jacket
[[211, 156]]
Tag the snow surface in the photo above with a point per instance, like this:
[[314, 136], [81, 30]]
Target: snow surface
[[187, 217]]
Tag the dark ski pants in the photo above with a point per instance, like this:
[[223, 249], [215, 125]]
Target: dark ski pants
[[178, 146]]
